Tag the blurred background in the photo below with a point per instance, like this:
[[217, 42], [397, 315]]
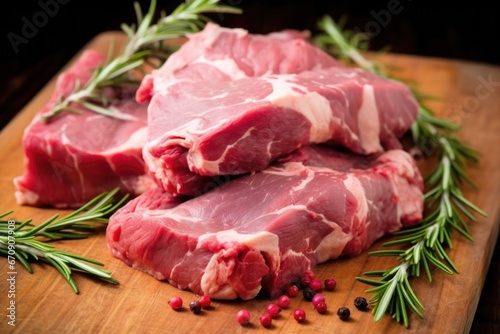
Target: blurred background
[[468, 32], [428, 28]]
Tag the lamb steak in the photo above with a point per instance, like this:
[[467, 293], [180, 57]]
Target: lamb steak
[[241, 126], [75, 157], [263, 231]]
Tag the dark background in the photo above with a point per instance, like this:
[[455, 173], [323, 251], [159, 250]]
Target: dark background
[[429, 28]]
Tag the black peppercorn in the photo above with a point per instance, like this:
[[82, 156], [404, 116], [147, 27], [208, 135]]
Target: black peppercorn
[[308, 293], [344, 313], [360, 303], [195, 306]]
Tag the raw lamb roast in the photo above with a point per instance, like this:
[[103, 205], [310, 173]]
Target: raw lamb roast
[[263, 231], [75, 157]]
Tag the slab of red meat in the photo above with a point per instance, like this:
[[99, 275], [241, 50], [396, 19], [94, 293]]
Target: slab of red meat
[[75, 157], [240, 126], [263, 231], [223, 54]]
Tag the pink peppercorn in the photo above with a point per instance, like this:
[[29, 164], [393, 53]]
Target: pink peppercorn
[[266, 320], [205, 301], [175, 303], [284, 301], [321, 307], [315, 284], [299, 315], [243, 317], [330, 284], [318, 299], [273, 310], [293, 291]]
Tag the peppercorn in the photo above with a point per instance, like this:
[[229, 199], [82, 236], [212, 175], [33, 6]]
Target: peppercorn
[[360, 303], [273, 310], [243, 317], [292, 291], [344, 313], [195, 306], [330, 284], [205, 301], [318, 298], [175, 303], [283, 301], [266, 320], [321, 307], [315, 285], [299, 315], [308, 293]]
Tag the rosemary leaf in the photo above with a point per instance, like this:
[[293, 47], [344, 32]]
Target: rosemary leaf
[[31, 241], [145, 41], [445, 204]]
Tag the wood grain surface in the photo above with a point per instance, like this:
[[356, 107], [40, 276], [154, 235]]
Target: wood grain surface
[[46, 304]]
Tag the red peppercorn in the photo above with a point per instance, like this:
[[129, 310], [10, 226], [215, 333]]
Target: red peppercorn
[[315, 285], [310, 274], [330, 284], [321, 307], [175, 303], [284, 301], [273, 310], [318, 299], [293, 291], [299, 315], [305, 281], [243, 317], [205, 301], [266, 320]]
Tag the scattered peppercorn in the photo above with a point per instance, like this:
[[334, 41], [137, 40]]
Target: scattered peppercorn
[[243, 317], [315, 285], [305, 281], [273, 310], [175, 303], [195, 306], [308, 293], [344, 313], [299, 315], [307, 278], [321, 307], [330, 284], [284, 301], [205, 301], [292, 291], [318, 298], [360, 303], [266, 320]]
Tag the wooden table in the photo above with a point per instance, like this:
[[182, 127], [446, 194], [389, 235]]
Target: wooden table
[[46, 304]]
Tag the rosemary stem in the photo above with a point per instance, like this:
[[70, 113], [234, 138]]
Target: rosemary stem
[[31, 250]]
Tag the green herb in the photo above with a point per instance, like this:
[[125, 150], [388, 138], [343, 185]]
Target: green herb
[[426, 243], [145, 43], [26, 242]]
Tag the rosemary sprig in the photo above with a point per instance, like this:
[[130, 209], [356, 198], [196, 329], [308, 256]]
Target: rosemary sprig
[[426, 243], [145, 42], [26, 242]]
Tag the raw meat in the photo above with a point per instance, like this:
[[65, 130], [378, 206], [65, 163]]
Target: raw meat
[[223, 54], [240, 126], [265, 230], [75, 157]]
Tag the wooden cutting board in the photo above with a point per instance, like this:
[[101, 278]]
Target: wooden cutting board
[[46, 304]]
